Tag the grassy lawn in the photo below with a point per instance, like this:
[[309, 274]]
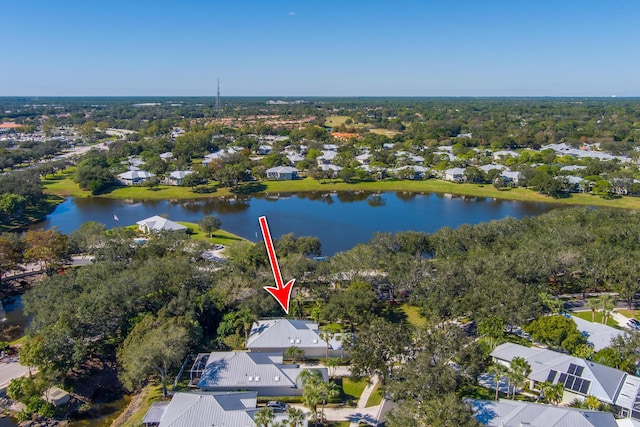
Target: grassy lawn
[[153, 394], [587, 315], [353, 389], [629, 313], [63, 185], [376, 396], [385, 132], [334, 121], [219, 237], [413, 315]]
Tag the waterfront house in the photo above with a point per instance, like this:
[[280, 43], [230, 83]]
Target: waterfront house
[[157, 224], [282, 173], [454, 175], [134, 177], [176, 177]]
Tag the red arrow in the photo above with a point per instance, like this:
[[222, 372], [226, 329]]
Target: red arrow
[[281, 292]]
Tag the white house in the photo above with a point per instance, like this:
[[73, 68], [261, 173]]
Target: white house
[[176, 177], [134, 177], [282, 173], [207, 410], [454, 174], [579, 377], [157, 223], [264, 373], [276, 335], [513, 413]]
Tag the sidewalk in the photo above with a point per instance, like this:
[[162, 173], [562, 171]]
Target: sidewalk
[[362, 413]]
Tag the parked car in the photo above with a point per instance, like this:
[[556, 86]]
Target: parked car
[[277, 406]]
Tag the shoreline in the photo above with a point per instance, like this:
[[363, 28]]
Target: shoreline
[[307, 185]]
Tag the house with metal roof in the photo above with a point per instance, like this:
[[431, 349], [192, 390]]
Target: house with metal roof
[[206, 410], [513, 413], [264, 373], [157, 223], [133, 177], [282, 173], [598, 335], [579, 377], [276, 335]]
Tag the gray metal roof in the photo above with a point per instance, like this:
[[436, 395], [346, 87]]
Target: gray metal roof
[[285, 333], [606, 382], [235, 370], [511, 413], [597, 334], [158, 223], [206, 410]]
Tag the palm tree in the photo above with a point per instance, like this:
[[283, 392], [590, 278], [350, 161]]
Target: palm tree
[[552, 393], [244, 322], [498, 371], [593, 304], [520, 370], [264, 417], [592, 402], [295, 417], [607, 304]]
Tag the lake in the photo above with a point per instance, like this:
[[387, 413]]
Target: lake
[[339, 219]]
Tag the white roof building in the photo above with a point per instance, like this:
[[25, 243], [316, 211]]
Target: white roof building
[[513, 413], [158, 223], [579, 377], [277, 335]]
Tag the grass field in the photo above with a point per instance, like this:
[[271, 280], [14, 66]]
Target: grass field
[[385, 132], [413, 315], [587, 315], [151, 394], [219, 237], [376, 396], [353, 389], [629, 313], [62, 185]]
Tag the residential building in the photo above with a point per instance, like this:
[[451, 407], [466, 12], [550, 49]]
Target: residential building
[[579, 377], [264, 373], [282, 173], [454, 174], [134, 177], [207, 410], [176, 177], [513, 413], [276, 335], [157, 224]]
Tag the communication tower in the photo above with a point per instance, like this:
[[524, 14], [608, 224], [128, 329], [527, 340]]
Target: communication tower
[[218, 99]]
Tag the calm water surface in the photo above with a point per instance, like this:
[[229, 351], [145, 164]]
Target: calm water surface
[[340, 219]]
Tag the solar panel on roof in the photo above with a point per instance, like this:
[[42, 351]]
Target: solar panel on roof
[[579, 371], [572, 369], [552, 376]]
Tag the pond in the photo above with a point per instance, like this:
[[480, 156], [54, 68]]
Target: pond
[[339, 219]]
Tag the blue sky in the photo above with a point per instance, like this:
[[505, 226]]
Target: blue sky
[[320, 48]]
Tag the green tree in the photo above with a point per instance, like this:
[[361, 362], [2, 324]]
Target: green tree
[[498, 371], [295, 417], [552, 393], [443, 411], [210, 224], [556, 331], [520, 369], [493, 329], [377, 349], [153, 346], [49, 248], [294, 353], [264, 417], [592, 402]]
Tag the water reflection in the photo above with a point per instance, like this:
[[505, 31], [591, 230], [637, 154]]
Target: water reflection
[[337, 218]]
